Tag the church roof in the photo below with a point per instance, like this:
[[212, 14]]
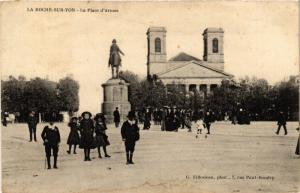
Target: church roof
[[183, 57], [194, 69]]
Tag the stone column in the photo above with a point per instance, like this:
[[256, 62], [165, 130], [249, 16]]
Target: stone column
[[198, 87], [186, 88], [208, 89]]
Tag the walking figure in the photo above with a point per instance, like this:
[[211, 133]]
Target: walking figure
[[207, 121], [281, 122]]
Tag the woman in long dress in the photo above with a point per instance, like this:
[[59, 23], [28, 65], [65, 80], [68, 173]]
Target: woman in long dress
[[87, 132]]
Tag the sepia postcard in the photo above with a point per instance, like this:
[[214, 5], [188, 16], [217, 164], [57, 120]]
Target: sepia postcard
[[149, 96]]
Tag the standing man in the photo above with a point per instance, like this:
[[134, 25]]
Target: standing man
[[32, 121], [117, 117], [130, 134], [207, 121], [281, 121], [147, 122], [51, 138], [4, 118]]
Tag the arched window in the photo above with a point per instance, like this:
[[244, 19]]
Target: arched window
[[157, 45], [215, 45]]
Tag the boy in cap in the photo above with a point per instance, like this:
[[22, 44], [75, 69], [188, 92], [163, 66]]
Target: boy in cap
[[130, 134], [51, 138]]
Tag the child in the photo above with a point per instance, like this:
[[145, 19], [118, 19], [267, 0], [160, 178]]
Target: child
[[51, 138], [199, 126], [73, 138], [130, 134], [101, 137], [87, 132]]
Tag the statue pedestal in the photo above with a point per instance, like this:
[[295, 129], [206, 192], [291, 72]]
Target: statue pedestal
[[115, 94]]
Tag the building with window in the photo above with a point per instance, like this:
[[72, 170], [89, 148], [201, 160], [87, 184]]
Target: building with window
[[184, 70]]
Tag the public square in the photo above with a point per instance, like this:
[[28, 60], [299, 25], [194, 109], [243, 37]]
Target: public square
[[164, 162]]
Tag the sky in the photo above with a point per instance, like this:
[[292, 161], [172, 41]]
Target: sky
[[260, 39]]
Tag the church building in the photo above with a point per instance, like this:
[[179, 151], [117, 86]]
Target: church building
[[188, 72]]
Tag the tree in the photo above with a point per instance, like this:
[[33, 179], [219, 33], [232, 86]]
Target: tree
[[152, 94], [288, 98], [67, 91], [144, 93], [133, 89], [41, 95], [12, 94]]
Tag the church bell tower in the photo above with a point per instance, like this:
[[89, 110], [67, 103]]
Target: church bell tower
[[213, 47], [157, 55]]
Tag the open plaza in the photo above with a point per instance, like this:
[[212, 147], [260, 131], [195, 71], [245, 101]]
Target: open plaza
[[234, 158]]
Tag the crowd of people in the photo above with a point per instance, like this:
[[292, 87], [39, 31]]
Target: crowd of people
[[89, 132], [172, 119]]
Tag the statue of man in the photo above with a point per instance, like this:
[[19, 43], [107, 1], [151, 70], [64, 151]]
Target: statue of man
[[115, 58]]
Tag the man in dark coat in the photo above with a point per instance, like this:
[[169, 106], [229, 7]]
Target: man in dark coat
[[207, 121], [281, 121], [51, 138], [117, 117], [32, 122], [130, 134], [4, 117], [147, 122]]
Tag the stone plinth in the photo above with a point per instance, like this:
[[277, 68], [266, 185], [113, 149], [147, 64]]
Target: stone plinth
[[115, 94]]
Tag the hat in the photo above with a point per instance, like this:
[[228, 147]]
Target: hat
[[99, 115], [74, 118], [86, 112], [131, 114]]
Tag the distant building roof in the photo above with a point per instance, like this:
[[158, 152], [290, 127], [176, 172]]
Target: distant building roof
[[156, 29], [213, 30], [184, 57]]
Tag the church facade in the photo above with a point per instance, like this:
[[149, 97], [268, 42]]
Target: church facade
[[184, 70]]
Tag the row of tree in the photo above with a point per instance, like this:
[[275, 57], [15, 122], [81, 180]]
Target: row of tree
[[20, 96], [257, 97]]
